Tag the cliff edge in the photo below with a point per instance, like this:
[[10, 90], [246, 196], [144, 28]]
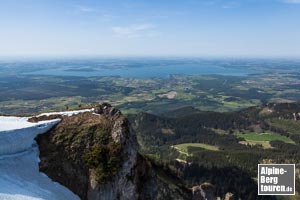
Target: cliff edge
[[95, 154]]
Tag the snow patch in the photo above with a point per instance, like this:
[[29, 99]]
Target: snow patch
[[17, 134], [13, 123], [66, 113], [20, 178]]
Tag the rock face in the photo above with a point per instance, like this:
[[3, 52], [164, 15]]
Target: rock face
[[204, 191], [95, 155], [121, 186]]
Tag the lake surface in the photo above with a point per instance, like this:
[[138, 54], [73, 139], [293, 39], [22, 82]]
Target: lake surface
[[154, 71]]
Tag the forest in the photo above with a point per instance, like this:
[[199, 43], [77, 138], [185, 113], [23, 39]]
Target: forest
[[232, 164]]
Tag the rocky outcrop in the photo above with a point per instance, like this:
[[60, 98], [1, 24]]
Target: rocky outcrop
[[95, 155], [204, 191]]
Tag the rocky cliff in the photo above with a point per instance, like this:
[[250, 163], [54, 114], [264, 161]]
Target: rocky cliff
[[95, 155]]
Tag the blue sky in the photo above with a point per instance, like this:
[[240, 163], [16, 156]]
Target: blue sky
[[248, 28]]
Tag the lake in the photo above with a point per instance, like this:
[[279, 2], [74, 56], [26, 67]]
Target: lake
[[140, 69]]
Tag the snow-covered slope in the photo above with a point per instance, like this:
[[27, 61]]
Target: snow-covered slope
[[20, 178], [17, 134]]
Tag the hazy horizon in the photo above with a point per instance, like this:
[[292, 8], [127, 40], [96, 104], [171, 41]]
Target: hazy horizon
[[171, 57]]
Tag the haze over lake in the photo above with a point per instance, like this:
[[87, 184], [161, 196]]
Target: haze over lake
[[130, 68]]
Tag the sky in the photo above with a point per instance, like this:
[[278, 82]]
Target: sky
[[241, 28]]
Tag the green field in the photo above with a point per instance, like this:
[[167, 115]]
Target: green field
[[132, 95], [184, 148], [262, 139]]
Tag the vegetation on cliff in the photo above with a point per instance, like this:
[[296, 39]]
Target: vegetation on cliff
[[105, 160], [79, 147]]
